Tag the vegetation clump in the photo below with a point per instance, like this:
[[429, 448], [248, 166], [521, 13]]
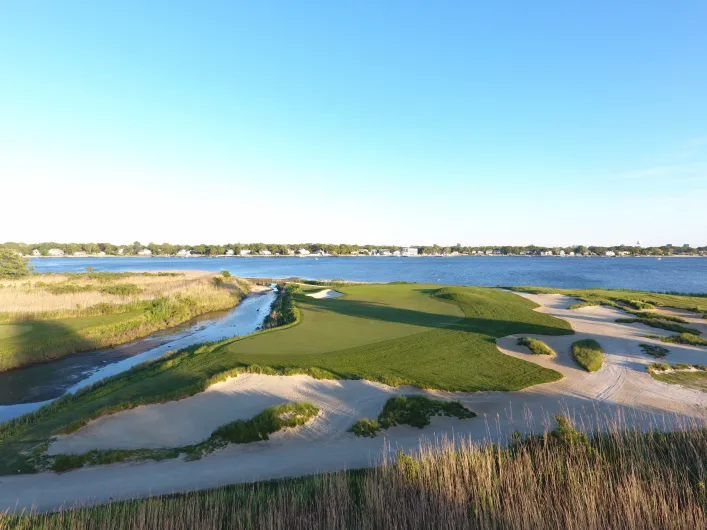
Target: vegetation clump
[[13, 264], [283, 310], [589, 354], [415, 411], [537, 347], [654, 350], [657, 323], [685, 338]]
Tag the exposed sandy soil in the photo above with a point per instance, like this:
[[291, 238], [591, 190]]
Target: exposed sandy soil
[[326, 293], [621, 388]]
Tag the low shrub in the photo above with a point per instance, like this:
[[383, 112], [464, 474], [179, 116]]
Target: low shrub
[[365, 427], [654, 350], [685, 338], [589, 354], [657, 323], [537, 347]]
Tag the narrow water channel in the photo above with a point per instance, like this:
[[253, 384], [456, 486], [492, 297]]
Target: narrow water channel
[[27, 389]]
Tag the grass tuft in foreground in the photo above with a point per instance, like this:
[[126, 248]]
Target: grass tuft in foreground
[[410, 410], [536, 347], [589, 354], [563, 479]]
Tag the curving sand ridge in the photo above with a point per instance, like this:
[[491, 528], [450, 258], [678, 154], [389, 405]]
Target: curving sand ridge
[[325, 445], [326, 293]]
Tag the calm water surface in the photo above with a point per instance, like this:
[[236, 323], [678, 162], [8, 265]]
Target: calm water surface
[[648, 274]]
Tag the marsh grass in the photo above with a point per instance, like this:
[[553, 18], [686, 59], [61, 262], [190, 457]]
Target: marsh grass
[[654, 350], [660, 324], [536, 347], [589, 354], [565, 478]]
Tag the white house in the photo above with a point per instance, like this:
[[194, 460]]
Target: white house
[[409, 251], [302, 252], [121, 251], [55, 252], [100, 254], [290, 252], [562, 253], [80, 253], [546, 253], [230, 252], [144, 252], [265, 253], [396, 253], [610, 253], [184, 253], [245, 252], [36, 252]]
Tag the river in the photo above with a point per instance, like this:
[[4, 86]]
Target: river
[[27, 389], [644, 274]]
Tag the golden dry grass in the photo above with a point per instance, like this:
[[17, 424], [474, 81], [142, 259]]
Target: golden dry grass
[[30, 296], [563, 479]]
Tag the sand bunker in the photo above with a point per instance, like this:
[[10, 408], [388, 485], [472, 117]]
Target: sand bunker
[[622, 385], [326, 293]]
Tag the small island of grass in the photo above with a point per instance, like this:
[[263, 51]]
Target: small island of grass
[[589, 354], [536, 347]]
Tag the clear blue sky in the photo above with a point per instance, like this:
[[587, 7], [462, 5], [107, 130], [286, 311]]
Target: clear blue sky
[[367, 121]]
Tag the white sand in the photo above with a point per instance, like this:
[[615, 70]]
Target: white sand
[[326, 293], [622, 385]]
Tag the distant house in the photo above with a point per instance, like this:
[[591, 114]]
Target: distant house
[[396, 253], [610, 253], [561, 253], [265, 253], [489, 252], [409, 251], [546, 252], [80, 253], [384, 252], [184, 253], [290, 252], [121, 251], [364, 251], [144, 252], [100, 254], [36, 252], [302, 252], [55, 252], [230, 252], [624, 253], [571, 254], [496, 252], [245, 252]]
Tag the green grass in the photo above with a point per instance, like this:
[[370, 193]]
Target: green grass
[[696, 380], [256, 429], [422, 335], [588, 354], [685, 338], [415, 411], [536, 347], [654, 350]]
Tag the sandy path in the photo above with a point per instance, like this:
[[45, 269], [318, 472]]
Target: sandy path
[[621, 385]]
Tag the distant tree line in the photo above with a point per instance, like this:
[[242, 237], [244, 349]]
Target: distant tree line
[[167, 249]]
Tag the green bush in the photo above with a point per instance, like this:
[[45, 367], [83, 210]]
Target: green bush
[[121, 289], [365, 427], [537, 347], [654, 350], [588, 354], [417, 411]]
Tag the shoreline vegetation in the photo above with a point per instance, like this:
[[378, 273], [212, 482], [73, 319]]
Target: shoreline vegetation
[[44, 317], [137, 249], [553, 480]]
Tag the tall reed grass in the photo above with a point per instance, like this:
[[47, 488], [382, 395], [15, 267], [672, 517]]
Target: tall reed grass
[[623, 480]]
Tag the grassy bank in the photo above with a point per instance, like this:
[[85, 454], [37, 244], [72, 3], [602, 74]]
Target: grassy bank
[[51, 316], [565, 479], [687, 375], [589, 354], [685, 338], [423, 335]]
